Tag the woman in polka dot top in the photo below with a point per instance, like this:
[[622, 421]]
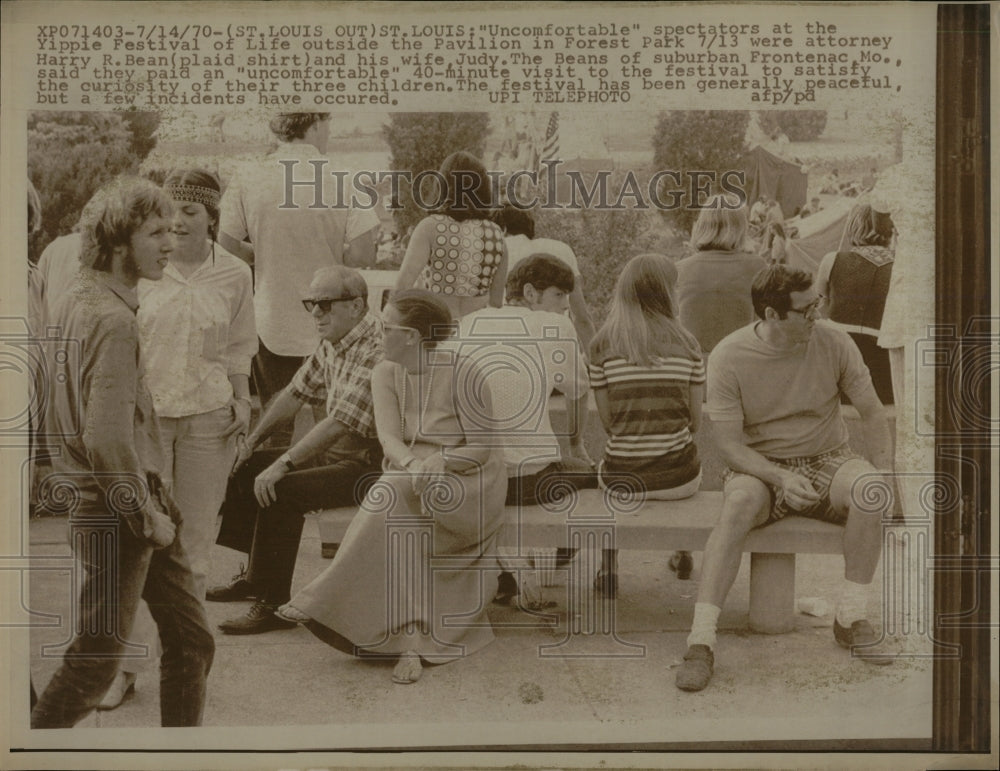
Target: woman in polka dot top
[[458, 253]]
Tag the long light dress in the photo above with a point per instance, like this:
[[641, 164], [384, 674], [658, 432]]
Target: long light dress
[[416, 573]]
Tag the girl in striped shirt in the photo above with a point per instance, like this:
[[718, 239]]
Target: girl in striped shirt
[[648, 379]]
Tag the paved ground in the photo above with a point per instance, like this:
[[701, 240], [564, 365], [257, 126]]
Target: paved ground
[[618, 691]]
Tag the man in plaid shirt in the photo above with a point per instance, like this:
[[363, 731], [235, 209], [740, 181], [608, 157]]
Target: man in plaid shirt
[[332, 465]]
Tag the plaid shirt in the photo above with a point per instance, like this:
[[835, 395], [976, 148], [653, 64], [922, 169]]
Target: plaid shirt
[[339, 375]]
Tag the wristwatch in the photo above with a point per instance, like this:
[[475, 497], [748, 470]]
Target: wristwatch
[[286, 461]]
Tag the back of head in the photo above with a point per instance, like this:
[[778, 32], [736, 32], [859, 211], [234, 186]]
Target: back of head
[[516, 221], [642, 323], [773, 286], [467, 194], [868, 227], [425, 312], [114, 213], [289, 126], [721, 225], [541, 271]]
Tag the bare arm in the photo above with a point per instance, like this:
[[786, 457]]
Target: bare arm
[[360, 252], [875, 427], [697, 397], [580, 314], [417, 254], [241, 249], [798, 490], [283, 408]]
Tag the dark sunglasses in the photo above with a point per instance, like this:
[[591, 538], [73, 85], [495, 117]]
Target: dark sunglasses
[[325, 303]]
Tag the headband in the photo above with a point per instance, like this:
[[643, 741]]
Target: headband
[[195, 194]]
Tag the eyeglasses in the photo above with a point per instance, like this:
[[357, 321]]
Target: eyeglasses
[[809, 309], [325, 303], [398, 328]]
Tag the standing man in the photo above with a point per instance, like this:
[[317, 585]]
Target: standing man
[[109, 456], [287, 205], [774, 392], [332, 465]]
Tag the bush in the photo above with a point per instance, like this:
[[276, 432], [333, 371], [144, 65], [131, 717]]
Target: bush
[[798, 125], [71, 154], [697, 140], [419, 141]]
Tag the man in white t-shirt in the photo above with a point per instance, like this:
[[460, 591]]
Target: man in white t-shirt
[[273, 203], [774, 391], [537, 351], [519, 230]]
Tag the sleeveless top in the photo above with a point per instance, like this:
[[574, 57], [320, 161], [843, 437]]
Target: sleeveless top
[[464, 256]]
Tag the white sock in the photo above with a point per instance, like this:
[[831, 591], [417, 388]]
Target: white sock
[[706, 618], [852, 603]]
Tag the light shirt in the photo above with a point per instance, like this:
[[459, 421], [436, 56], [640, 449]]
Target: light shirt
[[787, 399], [525, 355], [520, 247], [58, 265], [195, 333], [289, 244]]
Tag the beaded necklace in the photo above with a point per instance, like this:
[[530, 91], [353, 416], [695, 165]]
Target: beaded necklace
[[423, 411]]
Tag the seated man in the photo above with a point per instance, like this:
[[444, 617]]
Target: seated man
[[532, 329], [774, 398], [280, 485]]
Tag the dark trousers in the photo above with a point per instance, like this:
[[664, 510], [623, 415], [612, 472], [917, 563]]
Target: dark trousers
[[278, 527], [119, 569], [271, 373], [549, 484]]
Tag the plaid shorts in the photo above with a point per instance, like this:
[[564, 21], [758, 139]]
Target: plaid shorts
[[819, 470]]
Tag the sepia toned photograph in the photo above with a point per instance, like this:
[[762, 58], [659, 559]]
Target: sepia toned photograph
[[534, 384]]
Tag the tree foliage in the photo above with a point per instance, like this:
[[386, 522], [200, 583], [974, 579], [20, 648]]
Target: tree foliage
[[71, 154], [419, 141], [798, 125], [696, 140]]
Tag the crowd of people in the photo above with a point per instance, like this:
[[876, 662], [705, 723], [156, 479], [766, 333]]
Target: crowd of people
[[413, 421]]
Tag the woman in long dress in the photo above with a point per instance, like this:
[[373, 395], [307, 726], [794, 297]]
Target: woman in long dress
[[412, 576], [458, 252]]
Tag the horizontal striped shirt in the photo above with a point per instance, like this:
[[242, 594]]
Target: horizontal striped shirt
[[650, 426]]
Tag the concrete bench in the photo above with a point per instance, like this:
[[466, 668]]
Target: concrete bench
[[665, 525]]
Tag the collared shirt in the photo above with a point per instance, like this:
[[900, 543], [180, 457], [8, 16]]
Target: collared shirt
[[100, 412], [339, 375], [195, 333], [290, 244], [532, 353]]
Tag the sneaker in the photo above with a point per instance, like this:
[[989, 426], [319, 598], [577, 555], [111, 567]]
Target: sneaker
[[237, 589], [682, 564], [862, 635], [260, 618], [696, 671]]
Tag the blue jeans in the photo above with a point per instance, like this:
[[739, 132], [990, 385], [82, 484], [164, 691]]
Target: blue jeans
[[119, 571]]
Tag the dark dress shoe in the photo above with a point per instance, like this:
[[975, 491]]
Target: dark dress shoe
[[260, 618], [861, 634], [237, 589]]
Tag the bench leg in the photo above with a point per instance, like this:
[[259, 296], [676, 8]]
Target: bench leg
[[772, 593]]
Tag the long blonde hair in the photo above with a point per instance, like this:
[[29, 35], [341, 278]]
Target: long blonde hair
[[642, 325]]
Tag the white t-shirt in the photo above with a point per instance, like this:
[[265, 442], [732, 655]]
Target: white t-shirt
[[525, 355], [290, 244]]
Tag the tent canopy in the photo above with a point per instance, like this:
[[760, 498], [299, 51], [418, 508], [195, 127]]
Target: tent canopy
[[767, 174]]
